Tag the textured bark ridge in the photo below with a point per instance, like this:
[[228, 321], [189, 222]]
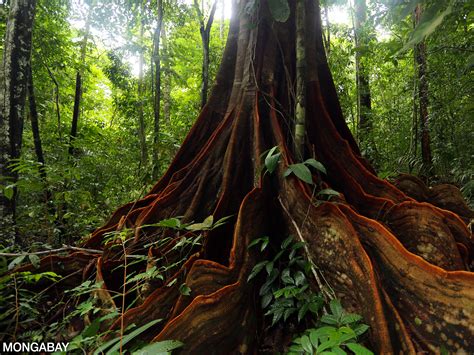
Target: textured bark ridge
[[402, 264]]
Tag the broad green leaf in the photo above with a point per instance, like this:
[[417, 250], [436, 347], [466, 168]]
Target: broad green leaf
[[206, 224], [271, 160], [346, 334], [297, 245], [265, 241], [350, 318], [359, 349], [361, 329], [278, 255], [161, 347], [222, 221], [266, 299], [338, 351], [126, 338], [329, 319], [299, 278], [269, 267], [256, 269], [280, 10], [316, 164], [336, 308], [254, 242], [286, 277], [302, 311], [8, 191], [174, 223], [314, 338], [306, 344], [287, 242], [185, 290], [17, 261], [35, 260], [328, 192], [430, 20], [302, 172]]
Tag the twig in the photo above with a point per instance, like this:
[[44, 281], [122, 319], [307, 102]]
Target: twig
[[63, 248], [305, 246]]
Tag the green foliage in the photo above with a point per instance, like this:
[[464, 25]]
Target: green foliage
[[338, 331], [286, 295], [396, 131], [302, 171], [22, 308], [285, 292], [432, 17], [272, 159]]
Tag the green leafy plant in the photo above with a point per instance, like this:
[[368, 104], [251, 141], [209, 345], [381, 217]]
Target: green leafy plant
[[272, 159], [337, 332], [302, 171], [286, 291]]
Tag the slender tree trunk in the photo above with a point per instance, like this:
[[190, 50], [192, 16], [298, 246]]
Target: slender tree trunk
[[414, 124], [56, 100], [221, 25], [205, 29], [13, 89], [78, 90], [33, 112], [140, 92], [401, 264], [166, 80], [157, 93], [35, 128], [423, 101], [300, 111]]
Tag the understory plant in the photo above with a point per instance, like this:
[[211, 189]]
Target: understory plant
[[286, 294]]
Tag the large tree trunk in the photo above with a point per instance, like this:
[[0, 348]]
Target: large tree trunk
[[423, 101], [392, 259], [13, 89]]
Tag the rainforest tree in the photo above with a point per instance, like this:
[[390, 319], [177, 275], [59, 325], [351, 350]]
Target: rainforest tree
[[402, 264], [14, 73]]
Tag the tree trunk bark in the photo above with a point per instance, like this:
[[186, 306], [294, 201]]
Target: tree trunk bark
[[300, 111], [167, 80], [423, 101], [157, 96], [78, 91], [56, 99], [140, 97], [36, 132], [13, 89], [205, 29], [403, 265]]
